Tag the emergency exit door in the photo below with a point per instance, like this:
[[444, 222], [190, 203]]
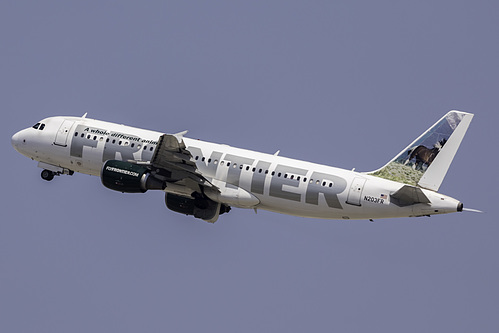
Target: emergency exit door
[[355, 192]]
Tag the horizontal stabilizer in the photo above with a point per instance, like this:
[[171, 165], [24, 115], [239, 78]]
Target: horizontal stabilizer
[[408, 195]]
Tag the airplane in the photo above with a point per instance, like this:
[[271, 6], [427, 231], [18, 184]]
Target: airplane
[[205, 179]]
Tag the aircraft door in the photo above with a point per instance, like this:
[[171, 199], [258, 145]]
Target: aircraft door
[[61, 137], [355, 192]]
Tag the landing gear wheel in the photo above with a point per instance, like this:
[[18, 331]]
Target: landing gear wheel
[[47, 175]]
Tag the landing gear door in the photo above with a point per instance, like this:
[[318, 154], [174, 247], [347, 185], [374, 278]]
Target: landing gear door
[[355, 192], [61, 138]]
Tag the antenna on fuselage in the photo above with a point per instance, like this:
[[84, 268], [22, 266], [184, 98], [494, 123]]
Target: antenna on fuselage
[[84, 116]]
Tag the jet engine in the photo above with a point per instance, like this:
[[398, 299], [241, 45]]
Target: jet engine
[[198, 205], [127, 177]]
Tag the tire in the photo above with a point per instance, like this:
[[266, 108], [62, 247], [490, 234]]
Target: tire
[[47, 175]]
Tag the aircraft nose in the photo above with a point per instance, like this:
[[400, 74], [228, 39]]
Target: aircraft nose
[[17, 140]]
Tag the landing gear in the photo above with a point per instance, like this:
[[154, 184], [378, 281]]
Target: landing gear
[[225, 209], [47, 175], [49, 171]]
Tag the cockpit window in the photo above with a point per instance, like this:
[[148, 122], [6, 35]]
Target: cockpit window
[[39, 126]]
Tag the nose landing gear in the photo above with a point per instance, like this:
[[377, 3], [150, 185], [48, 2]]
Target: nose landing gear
[[48, 175]]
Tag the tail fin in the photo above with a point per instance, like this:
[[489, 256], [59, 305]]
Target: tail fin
[[426, 160]]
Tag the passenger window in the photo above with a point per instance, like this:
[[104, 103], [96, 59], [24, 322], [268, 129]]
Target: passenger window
[[209, 160], [203, 159], [151, 148], [228, 163], [247, 168], [132, 145], [107, 140], [114, 141], [145, 147], [196, 158], [88, 136], [215, 162], [95, 137], [76, 133], [82, 135]]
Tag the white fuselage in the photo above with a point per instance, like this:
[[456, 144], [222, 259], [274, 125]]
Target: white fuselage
[[280, 184]]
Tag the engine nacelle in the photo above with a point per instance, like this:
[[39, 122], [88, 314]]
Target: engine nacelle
[[128, 177], [198, 205]]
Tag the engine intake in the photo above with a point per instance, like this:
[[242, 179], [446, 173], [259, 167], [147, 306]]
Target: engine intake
[[128, 177]]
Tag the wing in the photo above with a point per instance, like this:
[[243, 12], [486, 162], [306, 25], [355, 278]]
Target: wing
[[172, 161]]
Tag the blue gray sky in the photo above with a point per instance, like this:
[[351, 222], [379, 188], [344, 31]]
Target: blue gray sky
[[344, 83]]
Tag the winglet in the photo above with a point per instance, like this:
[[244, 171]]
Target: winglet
[[181, 134], [180, 137]]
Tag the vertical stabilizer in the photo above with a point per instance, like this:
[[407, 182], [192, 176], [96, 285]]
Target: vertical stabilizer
[[426, 160]]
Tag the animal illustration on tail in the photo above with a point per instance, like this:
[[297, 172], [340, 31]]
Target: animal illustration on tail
[[423, 155]]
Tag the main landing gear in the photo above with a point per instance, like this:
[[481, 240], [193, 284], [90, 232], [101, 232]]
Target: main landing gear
[[48, 175]]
